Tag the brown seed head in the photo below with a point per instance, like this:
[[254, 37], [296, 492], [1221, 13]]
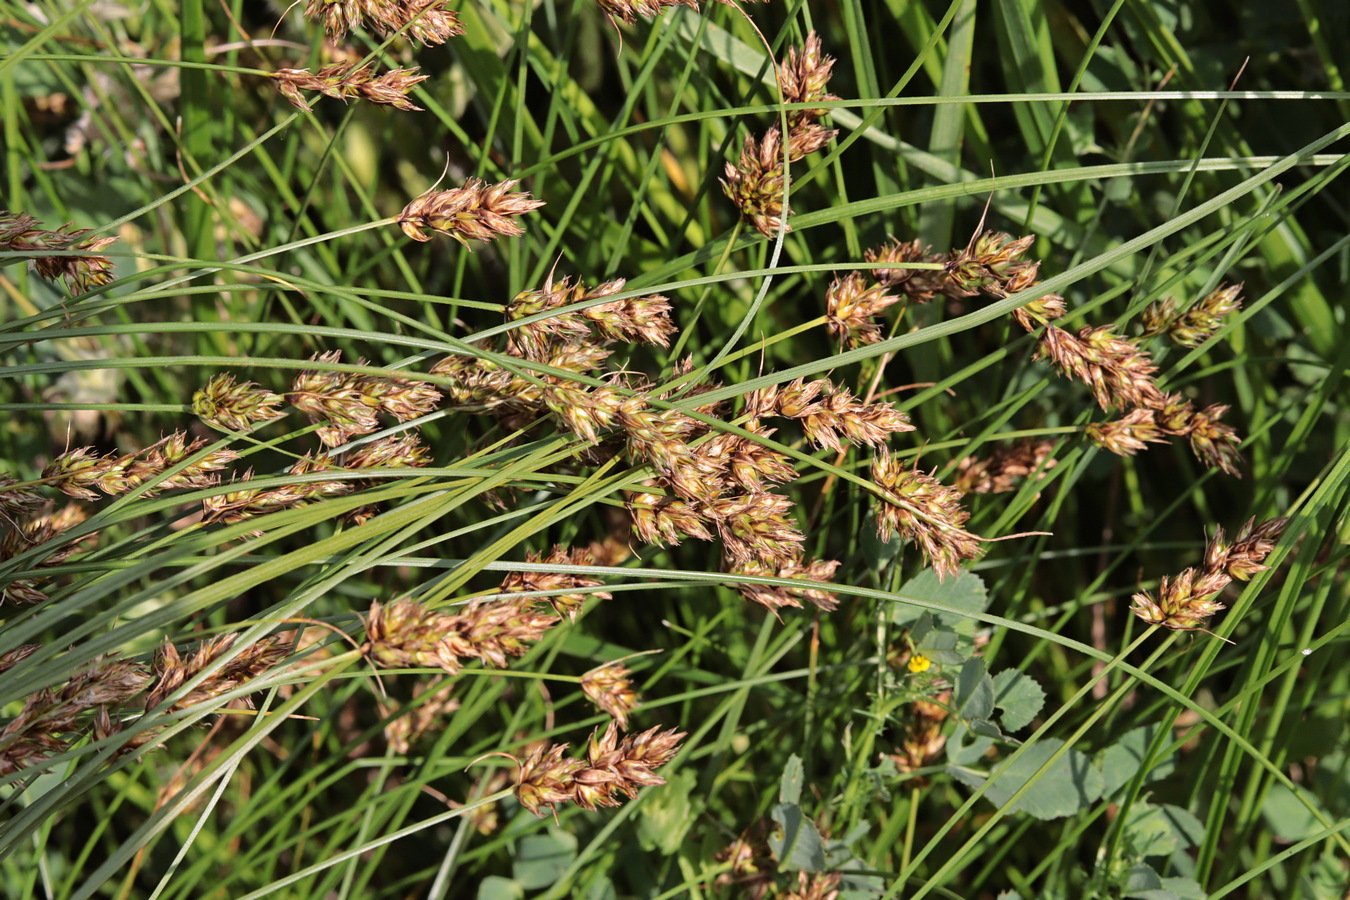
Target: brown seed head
[[432, 706], [1214, 443], [774, 597], [850, 305], [1040, 311], [407, 634], [1126, 436], [427, 21], [659, 519], [915, 285], [1245, 557], [918, 507], [755, 183], [345, 81], [805, 74], [173, 671], [630, 10], [1000, 471], [1183, 603], [478, 211], [757, 528], [563, 604], [1202, 321], [227, 406], [22, 233], [610, 688], [546, 778]]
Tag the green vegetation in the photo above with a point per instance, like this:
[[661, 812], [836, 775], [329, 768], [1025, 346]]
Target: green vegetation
[[679, 449]]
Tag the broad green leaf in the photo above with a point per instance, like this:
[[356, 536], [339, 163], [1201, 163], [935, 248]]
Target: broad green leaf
[[965, 591], [974, 697], [1019, 697], [541, 858], [495, 887], [667, 813], [1070, 784], [1120, 761], [795, 842], [1160, 831], [790, 784]]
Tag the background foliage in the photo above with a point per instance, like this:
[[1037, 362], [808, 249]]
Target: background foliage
[[1153, 148]]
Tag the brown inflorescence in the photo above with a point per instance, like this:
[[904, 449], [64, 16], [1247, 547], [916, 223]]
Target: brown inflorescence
[[815, 573], [851, 304], [829, 416], [610, 688], [41, 531], [54, 718], [756, 183], [431, 705], [478, 211], [1117, 369], [1000, 471], [568, 605], [1196, 325], [172, 670], [918, 507], [407, 633], [1185, 602], [82, 271], [347, 404], [347, 81], [427, 21], [914, 285], [227, 405], [76, 473], [614, 768]]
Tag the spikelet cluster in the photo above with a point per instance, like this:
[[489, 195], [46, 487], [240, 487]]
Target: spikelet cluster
[[610, 688], [1001, 470], [432, 704], [347, 81], [81, 473], [614, 768], [94, 700], [757, 181], [82, 270], [566, 604], [408, 634], [1186, 601], [343, 406], [921, 739], [39, 532], [1194, 326], [53, 719], [428, 22], [918, 507], [478, 211], [347, 404], [1118, 371], [173, 670]]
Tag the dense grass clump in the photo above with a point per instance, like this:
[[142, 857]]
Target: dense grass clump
[[661, 449]]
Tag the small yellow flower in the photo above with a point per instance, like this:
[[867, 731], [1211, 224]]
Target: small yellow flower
[[919, 664]]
